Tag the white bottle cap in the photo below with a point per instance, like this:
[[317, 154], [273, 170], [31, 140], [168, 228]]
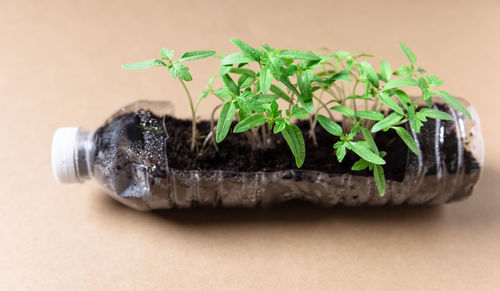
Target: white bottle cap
[[63, 155]]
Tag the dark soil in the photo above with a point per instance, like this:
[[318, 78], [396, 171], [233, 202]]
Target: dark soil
[[146, 131], [235, 153]]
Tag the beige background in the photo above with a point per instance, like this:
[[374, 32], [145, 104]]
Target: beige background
[[60, 66]]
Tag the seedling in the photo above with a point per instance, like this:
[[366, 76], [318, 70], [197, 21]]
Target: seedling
[[265, 90]]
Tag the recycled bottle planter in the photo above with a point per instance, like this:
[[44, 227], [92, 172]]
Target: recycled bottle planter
[[128, 156]]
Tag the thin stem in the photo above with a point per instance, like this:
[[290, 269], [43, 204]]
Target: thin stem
[[193, 112], [324, 106]]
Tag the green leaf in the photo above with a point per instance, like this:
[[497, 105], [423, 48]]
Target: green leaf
[[279, 126], [360, 165], [365, 153], [225, 119], [241, 71], [143, 65], [344, 110], [250, 122], [387, 100], [181, 71], [298, 55], [453, 102], [433, 80], [225, 69], [378, 175], [236, 58], [329, 125], [265, 80], [276, 90], [403, 71], [230, 85], [370, 73], [369, 139], [304, 82], [407, 138], [223, 93], [408, 53], [403, 82], [245, 81], [299, 112], [248, 50], [390, 120], [295, 141], [368, 114], [341, 151], [406, 101], [196, 55], [168, 54], [436, 114], [385, 71], [341, 75]]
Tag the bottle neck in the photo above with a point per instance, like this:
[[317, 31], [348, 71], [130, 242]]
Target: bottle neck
[[84, 155]]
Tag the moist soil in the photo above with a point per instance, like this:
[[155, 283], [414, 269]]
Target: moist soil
[[236, 154]]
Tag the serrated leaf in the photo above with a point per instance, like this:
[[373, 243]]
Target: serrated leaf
[[248, 50], [368, 114], [436, 114], [385, 71], [250, 122], [329, 125], [344, 110], [408, 53], [370, 73], [403, 82], [295, 141], [366, 154], [236, 58], [407, 138], [298, 55], [143, 65], [453, 102], [181, 71], [230, 85], [390, 120], [168, 54], [226, 117], [416, 124], [196, 55], [379, 177]]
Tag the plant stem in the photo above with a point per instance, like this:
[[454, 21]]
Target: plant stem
[[193, 112]]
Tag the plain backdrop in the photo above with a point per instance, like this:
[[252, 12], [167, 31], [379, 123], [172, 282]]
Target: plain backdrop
[[60, 66]]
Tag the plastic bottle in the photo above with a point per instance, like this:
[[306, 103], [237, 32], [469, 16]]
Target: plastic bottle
[[127, 155]]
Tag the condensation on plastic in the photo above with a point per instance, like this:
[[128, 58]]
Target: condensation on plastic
[[428, 179]]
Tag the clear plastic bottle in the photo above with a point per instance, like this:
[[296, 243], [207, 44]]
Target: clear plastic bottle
[[128, 156]]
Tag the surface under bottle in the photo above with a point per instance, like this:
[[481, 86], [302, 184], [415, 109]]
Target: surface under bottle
[[128, 156]]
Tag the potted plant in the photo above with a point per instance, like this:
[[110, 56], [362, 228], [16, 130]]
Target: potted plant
[[324, 127]]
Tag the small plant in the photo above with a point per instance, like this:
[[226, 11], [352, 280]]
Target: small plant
[[274, 87]]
